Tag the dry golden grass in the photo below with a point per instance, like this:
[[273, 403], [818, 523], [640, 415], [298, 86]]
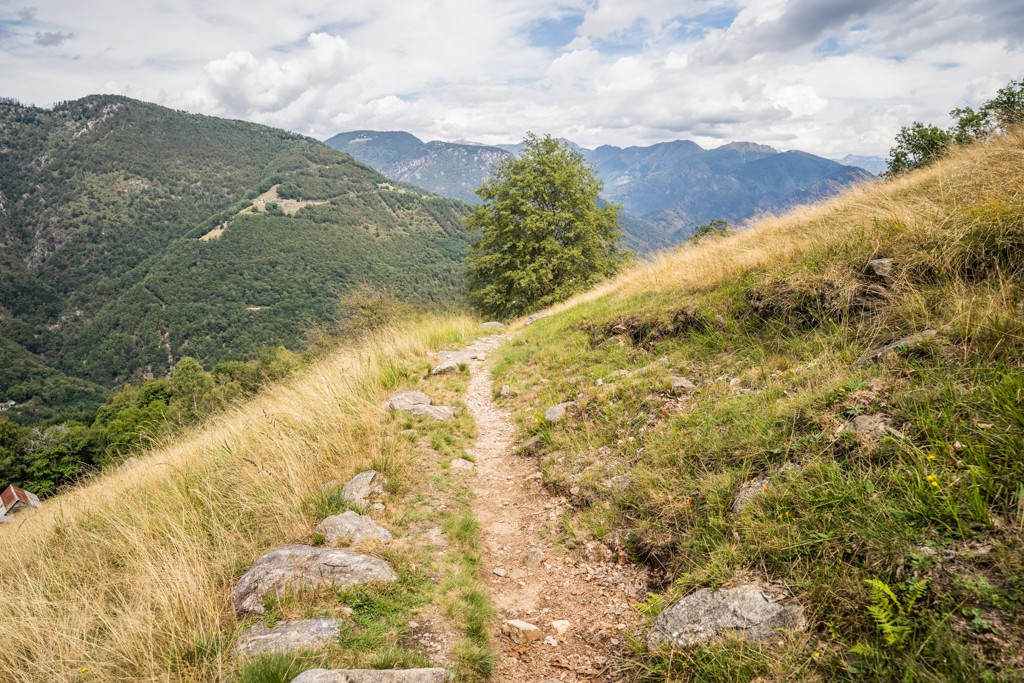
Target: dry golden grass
[[126, 577], [912, 211]]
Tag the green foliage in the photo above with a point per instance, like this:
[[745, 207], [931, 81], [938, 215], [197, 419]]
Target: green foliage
[[717, 227], [364, 310], [543, 235], [919, 144], [278, 668], [892, 615]]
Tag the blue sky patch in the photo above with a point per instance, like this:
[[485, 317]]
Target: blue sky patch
[[554, 33]]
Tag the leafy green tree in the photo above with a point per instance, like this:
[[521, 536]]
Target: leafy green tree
[[544, 235], [716, 226], [916, 146]]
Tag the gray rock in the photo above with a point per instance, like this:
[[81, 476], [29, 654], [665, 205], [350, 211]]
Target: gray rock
[[744, 612], [364, 486], [880, 269], [561, 626], [408, 399], [506, 391], [681, 384], [455, 356], [352, 527], [450, 367], [288, 636], [556, 413], [534, 318], [462, 465], [619, 482], [298, 567], [493, 325], [908, 341], [521, 632], [748, 492], [372, 676], [442, 413]]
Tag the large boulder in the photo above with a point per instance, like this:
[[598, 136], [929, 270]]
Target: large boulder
[[372, 676], [352, 527], [303, 567], [745, 612], [364, 487], [288, 636]]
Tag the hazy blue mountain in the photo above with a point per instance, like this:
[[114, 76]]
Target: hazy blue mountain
[[665, 189], [871, 164], [452, 169]]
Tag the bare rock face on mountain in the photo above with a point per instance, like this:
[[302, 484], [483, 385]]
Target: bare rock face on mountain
[[303, 567], [372, 676], [288, 636], [745, 612]]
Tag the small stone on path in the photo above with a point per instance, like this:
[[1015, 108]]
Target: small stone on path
[[521, 632], [462, 465], [533, 557], [561, 626], [352, 527]]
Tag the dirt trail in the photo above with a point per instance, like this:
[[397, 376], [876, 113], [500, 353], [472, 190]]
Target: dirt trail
[[518, 517]]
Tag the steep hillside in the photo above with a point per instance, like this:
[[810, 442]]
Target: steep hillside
[[105, 200], [828, 407], [666, 189], [446, 168]]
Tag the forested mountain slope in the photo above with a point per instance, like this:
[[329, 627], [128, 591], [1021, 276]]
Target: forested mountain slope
[[104, 277]]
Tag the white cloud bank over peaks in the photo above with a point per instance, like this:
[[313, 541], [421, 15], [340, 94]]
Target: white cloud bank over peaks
[[830, 77]]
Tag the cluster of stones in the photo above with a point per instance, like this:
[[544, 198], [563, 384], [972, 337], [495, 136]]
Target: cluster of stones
[[295, 568]]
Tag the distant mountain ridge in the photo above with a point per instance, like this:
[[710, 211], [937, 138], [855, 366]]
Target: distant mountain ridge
[[666, 189]]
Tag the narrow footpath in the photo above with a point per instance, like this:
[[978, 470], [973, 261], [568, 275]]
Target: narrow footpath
[[580, 603]]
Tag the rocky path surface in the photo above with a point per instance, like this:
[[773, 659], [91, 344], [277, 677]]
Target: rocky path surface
[[570, 613]]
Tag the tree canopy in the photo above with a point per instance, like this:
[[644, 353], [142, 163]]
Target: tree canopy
[[544, 233], [920, 144]]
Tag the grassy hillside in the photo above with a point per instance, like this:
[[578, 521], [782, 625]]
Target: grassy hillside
[[102, 204], [770, 325], [127, 578]]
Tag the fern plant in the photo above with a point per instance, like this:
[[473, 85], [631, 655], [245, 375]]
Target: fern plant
[[893, 616]]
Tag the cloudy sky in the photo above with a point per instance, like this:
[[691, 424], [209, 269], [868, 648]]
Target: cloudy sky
[[827, 76]]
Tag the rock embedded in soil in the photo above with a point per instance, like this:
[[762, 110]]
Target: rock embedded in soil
[[561, 626], [302, 567], [447, 368], [681, 384], [534, 318], [868, 426], [352, 527], [288, 636], [493, 325], [441, 413], [909, 341], [744, 612], [372, 676], [462, 465], [521, 632], [748, 492], [533, 557], [408, 399], [557, 413], [506, 391], [364, 487], [880, 269]]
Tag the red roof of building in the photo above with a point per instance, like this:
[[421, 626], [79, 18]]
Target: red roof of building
[[12, 495]]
